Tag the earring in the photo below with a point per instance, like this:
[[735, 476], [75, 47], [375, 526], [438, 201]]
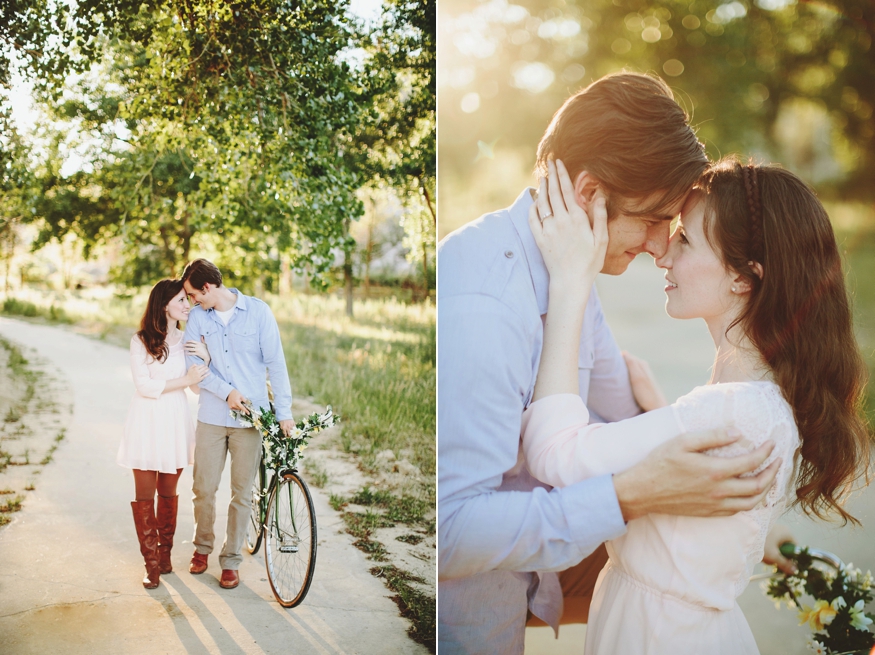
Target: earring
[[734, 290]]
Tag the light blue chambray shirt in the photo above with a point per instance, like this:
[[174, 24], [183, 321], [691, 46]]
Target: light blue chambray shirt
[[497, 524], [242, 353]]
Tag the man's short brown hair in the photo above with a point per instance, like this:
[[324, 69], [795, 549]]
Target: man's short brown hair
[[200, 272], [627, 130]]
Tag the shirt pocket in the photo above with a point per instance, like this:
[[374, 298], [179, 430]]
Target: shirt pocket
[[246, 339]]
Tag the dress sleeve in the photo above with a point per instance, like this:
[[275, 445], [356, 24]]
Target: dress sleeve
[[609, 394], [145, 384], [562, 449]]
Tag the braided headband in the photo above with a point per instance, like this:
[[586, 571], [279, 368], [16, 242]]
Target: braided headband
[[752, 191]]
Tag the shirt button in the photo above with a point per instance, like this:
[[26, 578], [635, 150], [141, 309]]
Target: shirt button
[[508, 254]]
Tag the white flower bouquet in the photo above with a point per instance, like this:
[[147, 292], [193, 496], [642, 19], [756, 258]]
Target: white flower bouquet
[[280, 452], [838, 618]]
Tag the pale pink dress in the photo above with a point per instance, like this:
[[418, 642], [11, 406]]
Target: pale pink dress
[[671, 583], [159, 430]]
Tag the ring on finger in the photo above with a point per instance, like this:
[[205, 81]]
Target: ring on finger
[[546, 216]]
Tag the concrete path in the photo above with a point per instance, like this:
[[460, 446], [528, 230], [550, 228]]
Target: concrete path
[[680, 354], [71, 567]]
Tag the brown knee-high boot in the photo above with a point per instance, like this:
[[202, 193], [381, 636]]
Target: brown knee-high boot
[[166, 515], [147, 533]]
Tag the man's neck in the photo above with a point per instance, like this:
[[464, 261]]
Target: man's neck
[[227, 300]]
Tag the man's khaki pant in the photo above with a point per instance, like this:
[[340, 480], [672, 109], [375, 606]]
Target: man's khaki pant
[[578, 583], [212, 443]]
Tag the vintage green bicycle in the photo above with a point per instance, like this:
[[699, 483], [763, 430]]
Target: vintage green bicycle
[[283, 517]]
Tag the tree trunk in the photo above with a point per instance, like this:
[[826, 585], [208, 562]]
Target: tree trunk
[[369, 250], [347, 270], [285, 285], [428, 201], [424, 272]]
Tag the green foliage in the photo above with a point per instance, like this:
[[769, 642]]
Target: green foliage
[[229, 128], [413, 604]]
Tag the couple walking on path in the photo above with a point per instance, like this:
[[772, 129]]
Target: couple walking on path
[[231, 344]]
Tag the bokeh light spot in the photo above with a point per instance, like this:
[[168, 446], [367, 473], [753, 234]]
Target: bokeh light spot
[[621, 46], [470, 102], [691, 22], [673, 67], [573, 73], [651, 34], [532, 76]]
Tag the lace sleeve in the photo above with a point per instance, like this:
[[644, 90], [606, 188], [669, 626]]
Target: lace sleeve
[[759, 412]]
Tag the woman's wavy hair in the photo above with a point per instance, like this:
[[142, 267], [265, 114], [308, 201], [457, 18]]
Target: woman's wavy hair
[[153, 325], [798, 317]]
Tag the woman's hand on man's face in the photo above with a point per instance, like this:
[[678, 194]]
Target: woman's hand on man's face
[[573, 247]]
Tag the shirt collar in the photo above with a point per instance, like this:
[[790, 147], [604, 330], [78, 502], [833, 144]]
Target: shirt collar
[[519, 216], [241, 300]]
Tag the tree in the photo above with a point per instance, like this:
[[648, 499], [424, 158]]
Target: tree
[[239, 116]]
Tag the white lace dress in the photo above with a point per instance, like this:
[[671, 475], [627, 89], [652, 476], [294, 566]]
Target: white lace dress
[[159, 430], [671, 583]]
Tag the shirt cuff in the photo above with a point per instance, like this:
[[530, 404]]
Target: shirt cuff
[[593, 512]]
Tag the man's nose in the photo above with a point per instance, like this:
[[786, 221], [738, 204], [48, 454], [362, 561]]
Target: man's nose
[[657, 239]]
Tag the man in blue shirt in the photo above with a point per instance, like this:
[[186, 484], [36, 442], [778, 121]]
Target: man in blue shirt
[[244, 345], [499, 529]]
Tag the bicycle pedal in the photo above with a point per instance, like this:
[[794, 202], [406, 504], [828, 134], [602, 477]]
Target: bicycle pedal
[[288, 549]]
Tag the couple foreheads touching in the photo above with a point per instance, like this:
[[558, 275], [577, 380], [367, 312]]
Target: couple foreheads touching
[[552, 442]]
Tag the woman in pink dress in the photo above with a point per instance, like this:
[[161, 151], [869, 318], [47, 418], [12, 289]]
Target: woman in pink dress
[[754, 255], [158, 439]]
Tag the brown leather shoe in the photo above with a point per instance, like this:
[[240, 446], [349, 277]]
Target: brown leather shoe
[[229, 579], [165, 515], [198, 563], [147, 534]]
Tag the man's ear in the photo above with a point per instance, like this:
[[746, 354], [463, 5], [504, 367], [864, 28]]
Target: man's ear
[[585, 186]]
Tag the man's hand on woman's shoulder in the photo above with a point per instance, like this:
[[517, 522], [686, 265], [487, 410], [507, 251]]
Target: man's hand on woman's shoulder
[[677, 478]]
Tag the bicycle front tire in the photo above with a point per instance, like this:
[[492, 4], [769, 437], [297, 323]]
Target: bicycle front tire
[[290, 540]]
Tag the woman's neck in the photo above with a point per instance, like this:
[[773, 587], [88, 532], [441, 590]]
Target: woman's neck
[[736, 359]]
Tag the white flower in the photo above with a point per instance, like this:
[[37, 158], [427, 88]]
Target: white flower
[[274, 429], [858, 618], [838, 603], [816, 646], [866, 583]]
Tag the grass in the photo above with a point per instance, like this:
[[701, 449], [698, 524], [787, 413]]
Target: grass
[[13, 505], [377, 370], [413, 603]]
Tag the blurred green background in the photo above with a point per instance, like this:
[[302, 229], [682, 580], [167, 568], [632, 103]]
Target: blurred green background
[[783, 81]]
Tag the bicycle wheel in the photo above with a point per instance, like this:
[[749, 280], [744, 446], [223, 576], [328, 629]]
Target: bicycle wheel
[[254, 530], [290, 540]]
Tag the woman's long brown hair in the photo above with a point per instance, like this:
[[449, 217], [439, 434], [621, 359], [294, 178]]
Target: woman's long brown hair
[[153, 325], [798, 317]]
